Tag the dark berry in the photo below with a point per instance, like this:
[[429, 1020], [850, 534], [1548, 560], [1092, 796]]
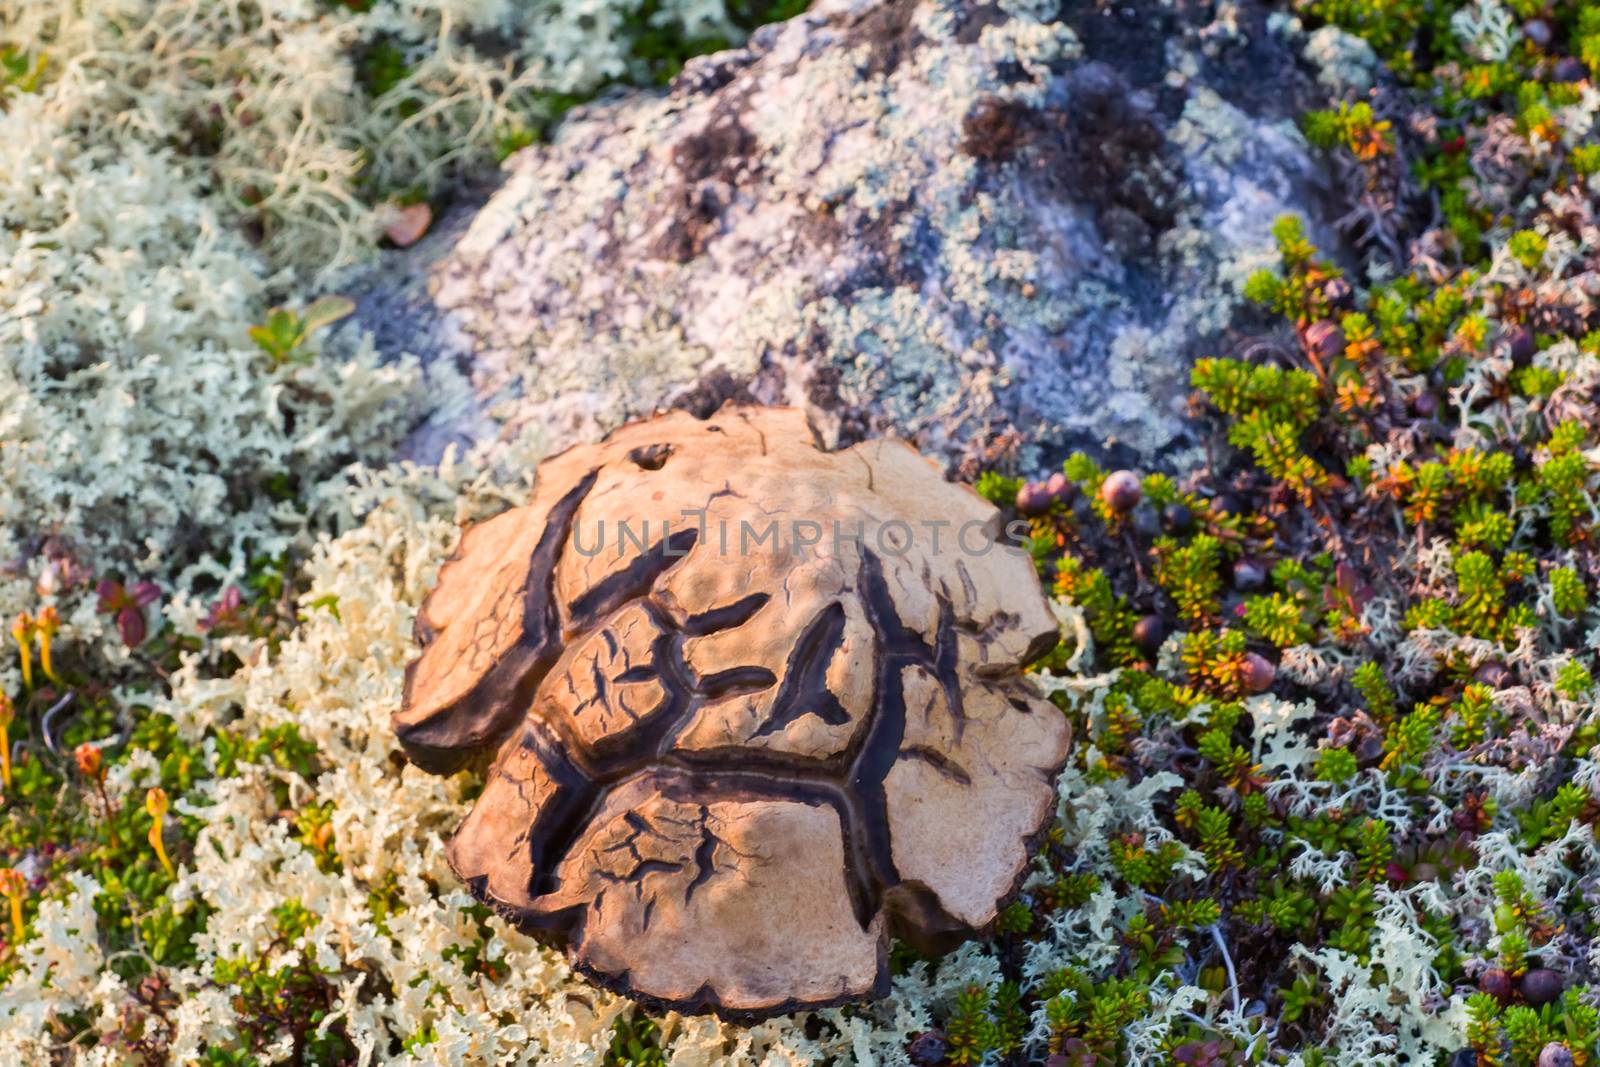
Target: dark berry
[[1148, 633], [1248, 575], [1538, 33], [1121, 491], [1424, 405], [928, 1048], [1463, 1057], [1177, 519], [1521, 346], [1258, 673], [1570, 69], [1541, 985], [1145, 522]]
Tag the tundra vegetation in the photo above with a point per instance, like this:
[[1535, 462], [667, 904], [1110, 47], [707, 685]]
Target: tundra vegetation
[[1334, 790]]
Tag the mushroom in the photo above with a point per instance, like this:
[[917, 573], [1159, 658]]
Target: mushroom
[[753, 707]]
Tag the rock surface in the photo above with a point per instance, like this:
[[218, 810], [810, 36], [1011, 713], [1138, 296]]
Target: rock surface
[[957, 222], [734, 752]]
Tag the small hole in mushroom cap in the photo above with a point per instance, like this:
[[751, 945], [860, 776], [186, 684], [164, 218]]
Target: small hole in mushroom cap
[[651, 457]]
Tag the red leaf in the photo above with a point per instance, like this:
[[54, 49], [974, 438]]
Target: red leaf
[[130, 623], [224, 611], [111, 594]]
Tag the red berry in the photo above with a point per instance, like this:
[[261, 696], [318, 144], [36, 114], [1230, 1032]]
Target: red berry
[[1059, 488], [1259, 673], [1121, 491], [1325, 339], [1032, 499], [1497, 983]]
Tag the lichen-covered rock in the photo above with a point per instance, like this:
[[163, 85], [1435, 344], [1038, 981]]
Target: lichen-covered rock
[[735, 753], [953, 220]]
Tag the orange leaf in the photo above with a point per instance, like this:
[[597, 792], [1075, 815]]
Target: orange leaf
[[408, 224]]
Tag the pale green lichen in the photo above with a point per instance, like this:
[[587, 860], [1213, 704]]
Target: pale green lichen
[[1345, 62]]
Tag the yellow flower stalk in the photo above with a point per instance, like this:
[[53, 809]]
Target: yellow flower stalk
[[8, 712], [15, 887], [155, 802], [22, 630], [44, 628], [92, 766]]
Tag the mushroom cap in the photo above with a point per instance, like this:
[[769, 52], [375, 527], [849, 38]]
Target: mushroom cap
[[753, 707]]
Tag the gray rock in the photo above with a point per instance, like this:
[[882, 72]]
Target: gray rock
[[958, 222]]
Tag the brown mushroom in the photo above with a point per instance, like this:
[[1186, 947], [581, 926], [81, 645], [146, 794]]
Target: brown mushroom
[[728, 763]]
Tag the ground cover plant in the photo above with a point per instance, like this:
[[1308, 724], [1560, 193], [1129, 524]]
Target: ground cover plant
[[1335, 787]]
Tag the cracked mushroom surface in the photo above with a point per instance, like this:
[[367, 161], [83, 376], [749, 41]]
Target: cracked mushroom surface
[[734, 751]]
